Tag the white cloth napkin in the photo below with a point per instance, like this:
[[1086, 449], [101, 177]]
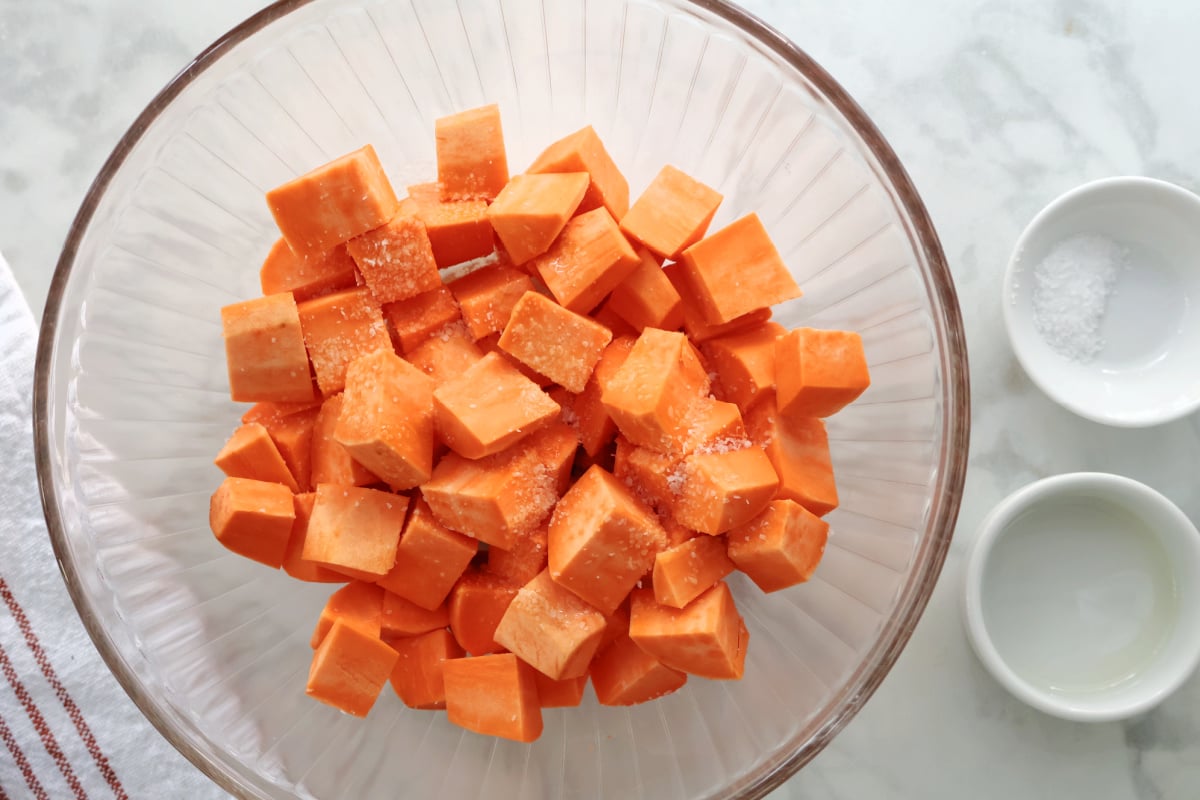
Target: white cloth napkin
[[67, 729]]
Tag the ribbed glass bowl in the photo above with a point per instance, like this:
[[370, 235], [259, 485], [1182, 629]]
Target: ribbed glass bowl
[[132, 402]]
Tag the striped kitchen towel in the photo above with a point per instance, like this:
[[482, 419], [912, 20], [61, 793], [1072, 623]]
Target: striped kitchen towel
[[67, 730]]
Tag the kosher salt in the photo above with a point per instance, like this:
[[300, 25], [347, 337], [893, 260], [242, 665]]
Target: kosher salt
[[1071, 288]]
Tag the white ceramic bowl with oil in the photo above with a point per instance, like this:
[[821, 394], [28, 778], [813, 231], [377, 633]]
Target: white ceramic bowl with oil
[[1083, 596], [1147, 368]]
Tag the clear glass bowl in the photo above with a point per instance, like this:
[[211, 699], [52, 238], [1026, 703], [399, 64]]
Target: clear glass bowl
[[131, 401]]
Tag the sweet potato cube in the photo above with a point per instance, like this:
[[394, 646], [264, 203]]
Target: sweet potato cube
[[349, 669], [429, 559], [503, 497], [820, 372], [267, 414], [531, 210], [355, 530], [616, 626], [798, 448], [264, 350], [293, 435], [610, 319], [471, 161], [677, 532], [588, 260], [416, 319], [551, 629], [583, 151], [489, 407], [253, 518], [251, 453], [447, 354], [647, 298], [625, 675], [780, 547], [476, 605], [567, 693], [710, 424], [651, 393], [403, 618], [386, 422], [737, 270], [560, 344], [722, 489], [487, 296], [694, 324], [417, 676], [654, 477], [744, 362], [396, 259], [683, 572], [331, 463], [494, 695], [458, 230], [673, 213], [524, 560], [358, 605], [293, 557], [339, 328], [333, 203], [596, 427], [602, 540], [706, 637], [305, 278]]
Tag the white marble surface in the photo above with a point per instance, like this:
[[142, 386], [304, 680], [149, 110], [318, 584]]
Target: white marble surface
[[995, 106]]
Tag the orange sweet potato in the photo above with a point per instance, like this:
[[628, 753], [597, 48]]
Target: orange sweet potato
[[602, 540], [704, 638], [386, 422], [416, 319], [588, 260], [476, 605], [560, 344], [694, 324], [673, 213], [305, 278], [265, 350], [494, 695], [349, 669], [567, 693], [251, 453], [253, 518], [333, 203], [523, 560], [402, 618], [502, 497], [820, 371], [293, 557], [417, 676], [331, 463], [339, 328], [532, 209], [429, 559], [396, 259], [647, 298], [447, 354], [490, 407], [780, 547], [551, 629], [471, 160], [583, 151], [596, 427], [458, 230], [798, 448], [724, 488], [683, 572], [744, 362], [487, 296], [355, 530], [625, 675], [737, 270], [358, 605]]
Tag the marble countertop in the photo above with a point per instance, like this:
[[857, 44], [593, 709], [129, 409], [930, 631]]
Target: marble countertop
[[995, 107]]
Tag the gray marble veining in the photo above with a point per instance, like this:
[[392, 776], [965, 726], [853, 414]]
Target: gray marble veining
[[995, 107]]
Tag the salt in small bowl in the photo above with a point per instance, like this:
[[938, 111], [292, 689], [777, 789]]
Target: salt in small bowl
[[1125, 250]]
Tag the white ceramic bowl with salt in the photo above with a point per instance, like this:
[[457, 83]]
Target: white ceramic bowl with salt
[[1102, 301]]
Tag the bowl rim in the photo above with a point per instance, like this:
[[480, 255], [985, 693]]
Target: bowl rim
[[948, 330], [1115, 185], [992, 529]]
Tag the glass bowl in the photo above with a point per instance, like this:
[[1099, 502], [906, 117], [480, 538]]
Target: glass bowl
[[131, 399]]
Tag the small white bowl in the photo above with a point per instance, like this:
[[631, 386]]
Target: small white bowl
[[1147, 370], [1082, 596]]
